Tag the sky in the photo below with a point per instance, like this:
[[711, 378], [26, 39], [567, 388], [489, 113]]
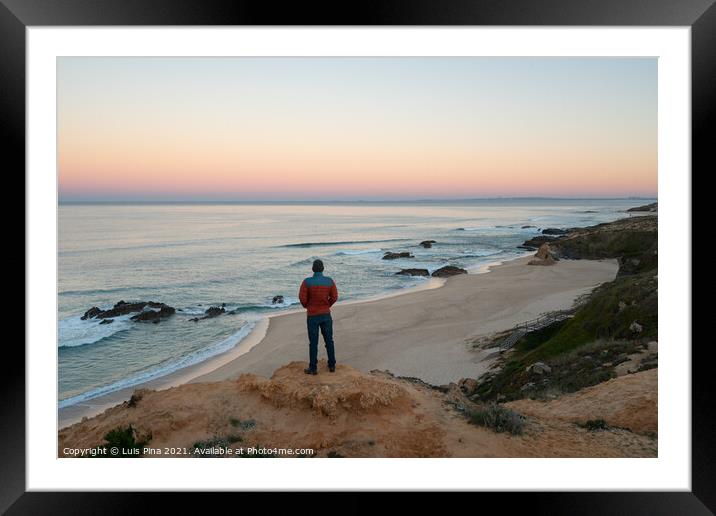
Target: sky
[[319, 128]]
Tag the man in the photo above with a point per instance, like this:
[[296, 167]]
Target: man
[[317, 294]]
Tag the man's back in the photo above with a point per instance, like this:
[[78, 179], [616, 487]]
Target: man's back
[[318, 293]]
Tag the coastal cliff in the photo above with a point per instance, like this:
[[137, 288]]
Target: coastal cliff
[[354, 414]]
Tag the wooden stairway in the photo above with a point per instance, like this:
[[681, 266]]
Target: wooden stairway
[[538, 323]]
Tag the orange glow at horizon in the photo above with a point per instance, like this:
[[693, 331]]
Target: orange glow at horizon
[[137, 141]]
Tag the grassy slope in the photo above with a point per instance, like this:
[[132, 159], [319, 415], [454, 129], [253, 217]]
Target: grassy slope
[[583, 350]]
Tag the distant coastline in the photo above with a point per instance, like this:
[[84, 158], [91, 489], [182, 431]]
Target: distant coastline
[[289, 202]]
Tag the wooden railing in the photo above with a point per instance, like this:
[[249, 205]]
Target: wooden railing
[[538, 323]]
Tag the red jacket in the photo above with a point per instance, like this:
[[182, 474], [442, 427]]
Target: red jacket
[[317, 294]]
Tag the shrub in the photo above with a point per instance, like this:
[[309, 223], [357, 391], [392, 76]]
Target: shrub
[[244, 425], [595, 424], [123, 439], [499, 418]]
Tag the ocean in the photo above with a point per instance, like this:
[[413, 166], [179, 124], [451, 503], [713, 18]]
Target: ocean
[[192, 256]]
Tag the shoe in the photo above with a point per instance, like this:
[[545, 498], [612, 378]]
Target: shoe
[[310, 371], [332, 369]]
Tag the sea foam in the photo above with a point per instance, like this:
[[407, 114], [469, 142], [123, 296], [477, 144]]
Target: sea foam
[[189, 360]]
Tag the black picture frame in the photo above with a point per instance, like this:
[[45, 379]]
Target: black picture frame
[[700, 15]]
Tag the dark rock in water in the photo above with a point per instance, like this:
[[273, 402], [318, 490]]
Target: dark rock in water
[[92, 312], [554, 231], [394, 256], [414, 272], [526, 227], [123, 308], [210, 312], [277, 300], [526, 247], [154, 315], [460, 229], [214, 311], [107, 321], [536, 242], [448, 270], [427, 244], [653, 207]]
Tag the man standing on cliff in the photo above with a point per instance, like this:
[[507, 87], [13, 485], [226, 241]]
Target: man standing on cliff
[[317, 294]]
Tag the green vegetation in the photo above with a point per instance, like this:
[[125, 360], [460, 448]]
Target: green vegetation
[[122, 442], [633, 241], [617, 319], [608, 314], [571, 371], [498, 418]]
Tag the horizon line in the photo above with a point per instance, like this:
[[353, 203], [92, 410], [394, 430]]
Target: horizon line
[[324, 201]]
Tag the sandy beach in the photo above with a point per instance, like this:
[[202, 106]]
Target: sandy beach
[[424, 334]]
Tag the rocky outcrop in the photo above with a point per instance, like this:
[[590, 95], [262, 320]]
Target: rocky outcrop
[[277, 300], [123, 308], [212, 311], [633, 241], [554, 231], [534, 243], [448, 270], [91, 313], [414, 272], [427, 244], [544, 252], [154, 316], [395, 256], [544, 256], [546, 261], [651, 208], [468, 386]]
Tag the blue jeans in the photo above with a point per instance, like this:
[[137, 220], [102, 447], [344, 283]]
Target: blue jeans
[[324, 322]]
